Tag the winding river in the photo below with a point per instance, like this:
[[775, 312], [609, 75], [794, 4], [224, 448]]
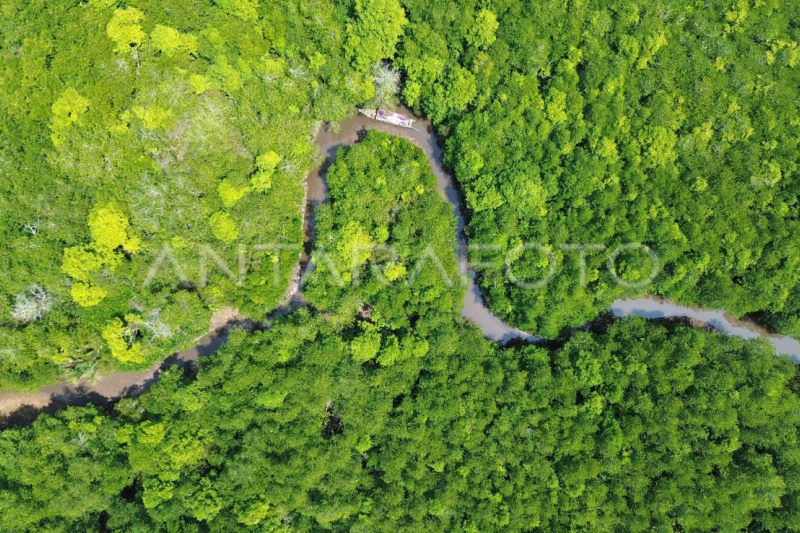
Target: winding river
[[25, 406]]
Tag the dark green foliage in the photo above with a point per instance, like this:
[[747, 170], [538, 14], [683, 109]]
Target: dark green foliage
[[643, 428], [385, 238], [64, 469], [673, 124], [382, 411], [161, 131]]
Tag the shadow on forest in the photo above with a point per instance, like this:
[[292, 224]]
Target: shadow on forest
[[81, 394], [475, 309]]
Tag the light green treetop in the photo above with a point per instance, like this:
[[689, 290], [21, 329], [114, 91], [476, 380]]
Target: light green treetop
[[67, 110], [125, 30], [243, 9], [223, 227], [375, 35], [170, 41], [482, 33]]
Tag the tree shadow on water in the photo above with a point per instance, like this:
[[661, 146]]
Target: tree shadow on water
[[73, 395]]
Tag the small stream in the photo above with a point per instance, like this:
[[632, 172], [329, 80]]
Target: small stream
[[111, 387], [474, 309], [654, 307]]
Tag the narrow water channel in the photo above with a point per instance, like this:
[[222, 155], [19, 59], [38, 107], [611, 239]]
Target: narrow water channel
[[108, 388], [422, 136], [655, 307]]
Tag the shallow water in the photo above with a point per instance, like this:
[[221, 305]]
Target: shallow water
[[654, 307], [108, 388], [474, 309]]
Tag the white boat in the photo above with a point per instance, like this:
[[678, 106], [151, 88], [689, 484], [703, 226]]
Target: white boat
[[388, 116]]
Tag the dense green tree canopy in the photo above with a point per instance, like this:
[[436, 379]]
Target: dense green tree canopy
[[149, 149], [385, 231], [382, 411], [672, 124], [644, 428], [146, 150]]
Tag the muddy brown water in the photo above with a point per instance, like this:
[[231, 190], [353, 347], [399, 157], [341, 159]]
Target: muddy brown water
[[24, 406], [111, 387], [422, 136]]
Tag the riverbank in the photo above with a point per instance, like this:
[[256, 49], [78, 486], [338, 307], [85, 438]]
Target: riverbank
[[109, 388]]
